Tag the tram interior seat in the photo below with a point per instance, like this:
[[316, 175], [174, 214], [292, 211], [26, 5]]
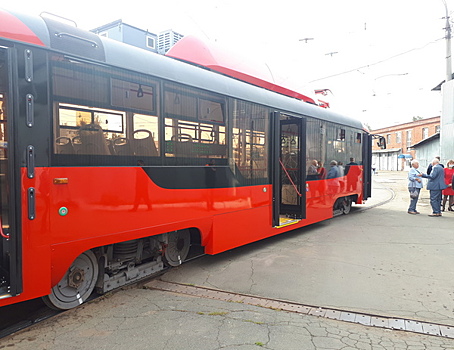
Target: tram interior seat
[[182, 144], [110, 146], [92, 140], [64, 145], [144, 146], [77, 144], [122, 147]]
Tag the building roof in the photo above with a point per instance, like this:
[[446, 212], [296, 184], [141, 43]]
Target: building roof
[[407, 125], [438, 87], [118, 22], [387, 150], [429, 139]]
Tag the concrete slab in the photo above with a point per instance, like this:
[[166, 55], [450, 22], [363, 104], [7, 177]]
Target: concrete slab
[[144, 319]]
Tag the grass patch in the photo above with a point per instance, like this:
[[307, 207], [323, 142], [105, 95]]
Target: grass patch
[[218, 313], [256, 322]]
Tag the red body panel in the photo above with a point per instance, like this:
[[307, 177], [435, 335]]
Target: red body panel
[[102, 210], [13, 28]]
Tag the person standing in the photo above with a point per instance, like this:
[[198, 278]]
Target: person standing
[[348, 165], [321, 171], [448, 193], [312, 173], [333, 178], [429, 168], [414, 185], [435, 185], [333, 172]]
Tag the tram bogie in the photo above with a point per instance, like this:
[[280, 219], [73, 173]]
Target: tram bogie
[[109, 267]]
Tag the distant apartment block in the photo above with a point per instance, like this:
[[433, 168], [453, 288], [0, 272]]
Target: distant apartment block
[[166, 40]]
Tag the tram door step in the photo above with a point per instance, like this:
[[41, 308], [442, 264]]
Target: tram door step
[[285, 221]]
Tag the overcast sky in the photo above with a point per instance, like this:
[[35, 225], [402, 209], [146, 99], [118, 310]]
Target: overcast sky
[[387, 54]]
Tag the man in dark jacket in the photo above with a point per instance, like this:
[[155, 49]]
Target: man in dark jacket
[[429, 168], [435, 185]]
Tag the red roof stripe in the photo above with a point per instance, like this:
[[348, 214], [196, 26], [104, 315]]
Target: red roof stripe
[[191, 49], [13, 28]]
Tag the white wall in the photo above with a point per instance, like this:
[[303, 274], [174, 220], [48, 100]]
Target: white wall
[[447, 122], [386, 161]]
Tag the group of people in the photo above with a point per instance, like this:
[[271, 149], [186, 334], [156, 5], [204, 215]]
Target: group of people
[[316, 171], [440, 184]]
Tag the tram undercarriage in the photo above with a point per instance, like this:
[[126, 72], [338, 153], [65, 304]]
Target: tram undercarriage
[[106, 268]]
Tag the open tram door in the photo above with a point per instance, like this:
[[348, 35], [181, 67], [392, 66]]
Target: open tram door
[[10, 262], [289, 175]]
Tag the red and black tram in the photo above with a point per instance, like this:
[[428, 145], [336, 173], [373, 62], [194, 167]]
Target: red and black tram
[[115, 161]]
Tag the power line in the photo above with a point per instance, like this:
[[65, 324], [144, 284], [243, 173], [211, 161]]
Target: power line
[[378, 62]]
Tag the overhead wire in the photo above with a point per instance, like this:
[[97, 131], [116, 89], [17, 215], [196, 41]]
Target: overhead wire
[[378, 62]]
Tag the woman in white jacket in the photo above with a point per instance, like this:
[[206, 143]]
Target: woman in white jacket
[[414, 184]]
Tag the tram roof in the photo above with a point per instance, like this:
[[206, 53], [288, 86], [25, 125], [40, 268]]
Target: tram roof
[[193, 50], [185, 73], [68, 39]]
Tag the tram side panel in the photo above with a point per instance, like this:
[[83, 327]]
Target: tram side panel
[[98, 210]]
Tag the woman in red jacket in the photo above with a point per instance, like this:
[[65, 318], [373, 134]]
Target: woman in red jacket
[[448, 193]]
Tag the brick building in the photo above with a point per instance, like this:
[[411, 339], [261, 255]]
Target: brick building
[[399, 139]]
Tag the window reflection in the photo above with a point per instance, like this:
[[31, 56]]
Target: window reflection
[[327, 143]]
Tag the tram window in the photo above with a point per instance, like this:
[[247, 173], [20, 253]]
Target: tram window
[[192, 104], [358, 137], [133, 95], [104, 111], [354, 147], [335, 148], [177, 103], [210, 111], [80, 83], [194, 124], [193, 139], [315, 148], [250, 140], [340, 134], [84, 130], [146, 135]]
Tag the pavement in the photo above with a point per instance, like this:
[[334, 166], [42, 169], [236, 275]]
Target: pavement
[[377, 261]]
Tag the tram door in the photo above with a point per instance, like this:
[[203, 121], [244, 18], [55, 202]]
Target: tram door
[[289, 170], [10, 280]]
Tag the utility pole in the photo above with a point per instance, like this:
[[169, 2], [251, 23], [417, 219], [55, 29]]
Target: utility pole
[[447, 89], [448, 45]]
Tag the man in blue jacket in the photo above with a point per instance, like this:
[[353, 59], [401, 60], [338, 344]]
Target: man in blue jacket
[[435, 185]]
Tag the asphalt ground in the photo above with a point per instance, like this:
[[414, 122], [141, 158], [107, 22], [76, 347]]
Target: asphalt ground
[[378, 260]]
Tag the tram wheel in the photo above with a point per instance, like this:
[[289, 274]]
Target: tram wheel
[[76, 285], [346, 205], [178, 244]]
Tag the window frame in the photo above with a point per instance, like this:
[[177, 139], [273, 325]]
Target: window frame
[[147, 39]]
